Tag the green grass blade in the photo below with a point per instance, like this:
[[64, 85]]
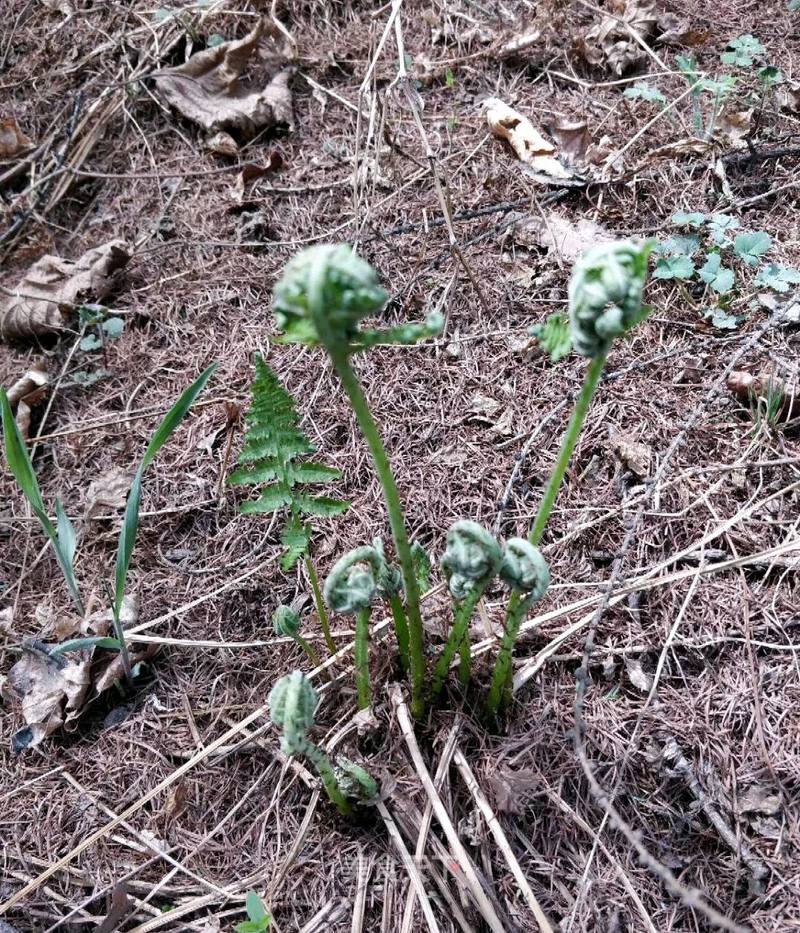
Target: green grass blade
[[78, 644], [130, 524], [19, 463]]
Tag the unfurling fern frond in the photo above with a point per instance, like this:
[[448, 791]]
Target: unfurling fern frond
[[274, 446]]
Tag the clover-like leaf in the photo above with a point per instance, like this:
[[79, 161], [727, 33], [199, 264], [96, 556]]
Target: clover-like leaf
[[554, 336], [752, 246], [715, 275], [769, 76], [722, 319], [682, 244], [719, 226], [778, 278], [695, 220], [743, 51], [674, 267], [644, 91]]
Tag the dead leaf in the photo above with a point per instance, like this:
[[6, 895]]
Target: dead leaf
[[53, 287], [54, 625], [572, 137], [634, 455], [252, 172], [759, 800], [114, 672], [13, 142], [51, 691], [108, 493], [6, 620], [559, 235], [208, 90], [59, 6], [637, 676], [117, 910], [734, 126], [223, 144], [489, 411], [520, 45], [100, 623], [675, 30], [688, 146], [611, 44], [787, 96], [26, 392], [530, 147]]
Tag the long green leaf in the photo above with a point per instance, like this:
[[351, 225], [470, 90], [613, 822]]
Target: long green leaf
[[19, 463], [78, 644], [130, 524]]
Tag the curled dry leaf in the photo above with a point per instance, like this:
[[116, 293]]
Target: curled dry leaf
[[252, 172], [760, 800], [750, 389], [108, 493], [677, 30], [633, 455], [50, 690], [559, 235], [637, 675], [26, 392], [13, 142], [572, 137], [208, 90], [539, 156], [54, 287], [733, 127], [612, 42]]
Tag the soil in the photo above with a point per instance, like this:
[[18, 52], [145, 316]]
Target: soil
[[691, 719]]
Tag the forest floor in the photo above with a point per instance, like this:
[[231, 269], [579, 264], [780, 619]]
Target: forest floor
[[680, 509]]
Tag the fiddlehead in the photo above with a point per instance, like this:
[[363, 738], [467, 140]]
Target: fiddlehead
[[524, 568], [605, 295], [352, 584], [471, 555], [470, 562], [292, 703], [286, 623]]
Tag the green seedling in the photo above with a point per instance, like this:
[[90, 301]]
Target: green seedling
[[292, 704], [324, 294], [275, 453], [259, 920], [63, 537]]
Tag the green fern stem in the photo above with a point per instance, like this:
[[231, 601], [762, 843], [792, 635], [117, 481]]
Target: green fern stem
[[361, 658], [400, 628], [369, 428], [319, 602], [465, 660], [518, 604], [309, 650], [327, 775], [459, 634]]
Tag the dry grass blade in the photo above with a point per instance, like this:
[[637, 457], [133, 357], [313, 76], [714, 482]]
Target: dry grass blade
[[502, 841], [465, 862]]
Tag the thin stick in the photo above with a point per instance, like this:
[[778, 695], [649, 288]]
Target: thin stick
[[470, 876], [502, 841]]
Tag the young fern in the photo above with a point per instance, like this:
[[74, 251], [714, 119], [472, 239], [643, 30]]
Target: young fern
[[324, 294], [274, 452], [286, 624], [470, 562], [605, 302], [292, 704]]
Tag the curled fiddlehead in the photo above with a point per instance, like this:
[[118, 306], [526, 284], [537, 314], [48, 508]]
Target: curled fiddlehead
[[286, 623], [351, 586], [470, 562], [524, 568], [292, 703], [605, 295], [472, 555]]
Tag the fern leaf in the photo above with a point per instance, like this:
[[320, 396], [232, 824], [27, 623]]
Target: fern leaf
[[272, 452], [296, 538]]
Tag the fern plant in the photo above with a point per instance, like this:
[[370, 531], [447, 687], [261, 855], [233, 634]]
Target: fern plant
[[274, 458]]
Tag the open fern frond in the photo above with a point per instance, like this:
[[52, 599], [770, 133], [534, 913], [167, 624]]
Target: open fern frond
[[274, 444]]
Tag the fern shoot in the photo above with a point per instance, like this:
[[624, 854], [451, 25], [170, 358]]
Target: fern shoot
[[274, 458]]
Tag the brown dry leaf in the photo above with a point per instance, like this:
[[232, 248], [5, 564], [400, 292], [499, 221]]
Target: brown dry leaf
[[610, 42], [114, 672], [13, 142], [688, 146], [734, 126], [572, 137], [787, 96], [637, 676], [53, 287], [208, 90], [634, 455], [252, 172], [749, 389], [757, 799], [539, 156], [108, 493], [59, 6], [680, 31], [223, 144], [26, 392], [560, 235], [51, 692]]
